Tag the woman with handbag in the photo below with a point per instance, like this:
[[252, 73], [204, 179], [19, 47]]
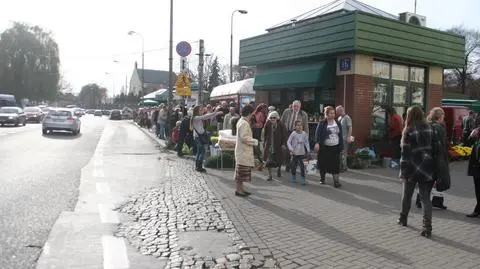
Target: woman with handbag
[[436, 119], [417, 166], [275, 141], [200, 135]]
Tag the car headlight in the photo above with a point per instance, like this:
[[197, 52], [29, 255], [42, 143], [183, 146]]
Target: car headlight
[[11, 117]]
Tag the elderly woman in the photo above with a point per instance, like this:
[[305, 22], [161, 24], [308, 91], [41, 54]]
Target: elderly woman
[[275, 142], [244, 151], [417, 166]]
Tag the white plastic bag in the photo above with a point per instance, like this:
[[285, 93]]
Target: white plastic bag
[[311, 168]]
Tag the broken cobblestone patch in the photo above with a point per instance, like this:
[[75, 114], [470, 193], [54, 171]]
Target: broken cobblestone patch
[[184, 208]]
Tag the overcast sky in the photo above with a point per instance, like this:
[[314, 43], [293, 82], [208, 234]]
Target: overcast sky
[[93, 33]]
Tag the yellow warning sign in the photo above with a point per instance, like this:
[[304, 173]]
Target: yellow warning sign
[[183, 85]]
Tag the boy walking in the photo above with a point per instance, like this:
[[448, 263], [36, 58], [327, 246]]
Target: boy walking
[[299, 147]]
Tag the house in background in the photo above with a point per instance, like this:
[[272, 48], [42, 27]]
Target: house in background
[[153, 80]]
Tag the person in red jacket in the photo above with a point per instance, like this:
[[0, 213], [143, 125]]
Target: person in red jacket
[[176, 132]]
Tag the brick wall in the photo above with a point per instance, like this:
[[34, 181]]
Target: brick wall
[[434, 96]]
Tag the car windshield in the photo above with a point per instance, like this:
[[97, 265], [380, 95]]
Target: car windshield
[[8, 110], [31, 109], [60, 113]]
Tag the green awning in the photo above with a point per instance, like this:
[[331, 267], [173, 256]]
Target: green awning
[[320, 74]]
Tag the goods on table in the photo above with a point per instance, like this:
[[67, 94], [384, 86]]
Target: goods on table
[[459, 151], [226, 140]]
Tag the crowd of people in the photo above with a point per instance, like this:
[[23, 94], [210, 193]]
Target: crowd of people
[[264, 139]]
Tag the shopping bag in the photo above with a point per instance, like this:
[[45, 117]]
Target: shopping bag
[[311, 167]]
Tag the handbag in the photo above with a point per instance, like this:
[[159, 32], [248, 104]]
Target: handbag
[[204, 138], [442, 171]]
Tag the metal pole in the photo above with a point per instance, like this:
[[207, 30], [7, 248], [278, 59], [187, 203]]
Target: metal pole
[[200, 70], [170, 57], [231, 46], [143, 65]]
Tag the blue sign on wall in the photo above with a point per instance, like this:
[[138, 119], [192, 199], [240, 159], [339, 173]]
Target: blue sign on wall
[[184, 49], [345, 64]]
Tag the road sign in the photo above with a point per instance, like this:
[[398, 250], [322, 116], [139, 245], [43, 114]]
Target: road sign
[[345, 64], [183, 85], [184, 48]]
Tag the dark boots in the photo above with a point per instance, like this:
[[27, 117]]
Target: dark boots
[[402, 220], [199, 167], [427, 228]]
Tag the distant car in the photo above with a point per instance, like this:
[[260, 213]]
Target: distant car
[[78, 112], [34, 114], [116, 115], [12, 115], [98, 112], [127, 113], [61, 119]]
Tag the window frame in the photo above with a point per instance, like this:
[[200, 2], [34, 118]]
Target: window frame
[[410, 86]]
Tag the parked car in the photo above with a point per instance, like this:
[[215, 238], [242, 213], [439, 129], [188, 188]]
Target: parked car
[[61, 119], [116, 115], [98, 112], [127, 113], [12, 115], [34, 114]]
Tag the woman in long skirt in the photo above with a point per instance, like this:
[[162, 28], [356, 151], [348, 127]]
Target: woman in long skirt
[[329, 145], [244, 158]]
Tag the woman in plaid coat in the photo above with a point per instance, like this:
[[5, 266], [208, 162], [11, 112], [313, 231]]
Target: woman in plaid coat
[[417, 166]]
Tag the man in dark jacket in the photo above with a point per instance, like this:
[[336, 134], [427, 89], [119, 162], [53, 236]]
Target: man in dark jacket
[[185, 135]]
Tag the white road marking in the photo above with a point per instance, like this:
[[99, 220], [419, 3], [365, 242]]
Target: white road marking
[[107, 215], [102, 188], [98, 172], [114, 253]]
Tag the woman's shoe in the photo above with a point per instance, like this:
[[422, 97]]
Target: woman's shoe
[[426, 233], [402, 220], [241, 194], [474, 215], [322, 181], [269, 178], [247, 193]]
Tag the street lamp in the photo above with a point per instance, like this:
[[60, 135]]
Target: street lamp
[[241, 11], [143, 57]]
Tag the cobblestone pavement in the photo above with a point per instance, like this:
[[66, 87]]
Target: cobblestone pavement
[[318, 226], [185, 204]]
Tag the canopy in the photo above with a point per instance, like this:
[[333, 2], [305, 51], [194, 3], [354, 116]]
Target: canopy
[[153, 95], [242, 87], [310, 75], [148, 102]]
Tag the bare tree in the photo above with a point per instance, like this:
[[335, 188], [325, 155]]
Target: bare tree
[[465, 74]]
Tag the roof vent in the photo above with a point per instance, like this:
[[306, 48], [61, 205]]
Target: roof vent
[[413, 18]]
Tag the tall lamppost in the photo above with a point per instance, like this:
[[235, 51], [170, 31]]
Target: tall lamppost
[[143, 58], [241, 11]]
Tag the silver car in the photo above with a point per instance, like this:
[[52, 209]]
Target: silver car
[[61, 119]]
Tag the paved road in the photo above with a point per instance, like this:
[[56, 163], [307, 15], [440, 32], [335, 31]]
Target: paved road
[[39, 179]]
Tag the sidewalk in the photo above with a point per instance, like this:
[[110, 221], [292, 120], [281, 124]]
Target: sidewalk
[[318, 226]]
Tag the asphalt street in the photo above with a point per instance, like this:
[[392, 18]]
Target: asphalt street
[[39, 178]]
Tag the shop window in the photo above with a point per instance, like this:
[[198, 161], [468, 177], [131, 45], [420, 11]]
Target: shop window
[[399, 95], [274, 98], [308, 95], [328, 94], [380, 93], [399, 72], [379, 122], [381, 69], [417, 74], [418, 93]]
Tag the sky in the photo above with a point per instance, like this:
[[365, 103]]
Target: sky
[[95, 46]]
